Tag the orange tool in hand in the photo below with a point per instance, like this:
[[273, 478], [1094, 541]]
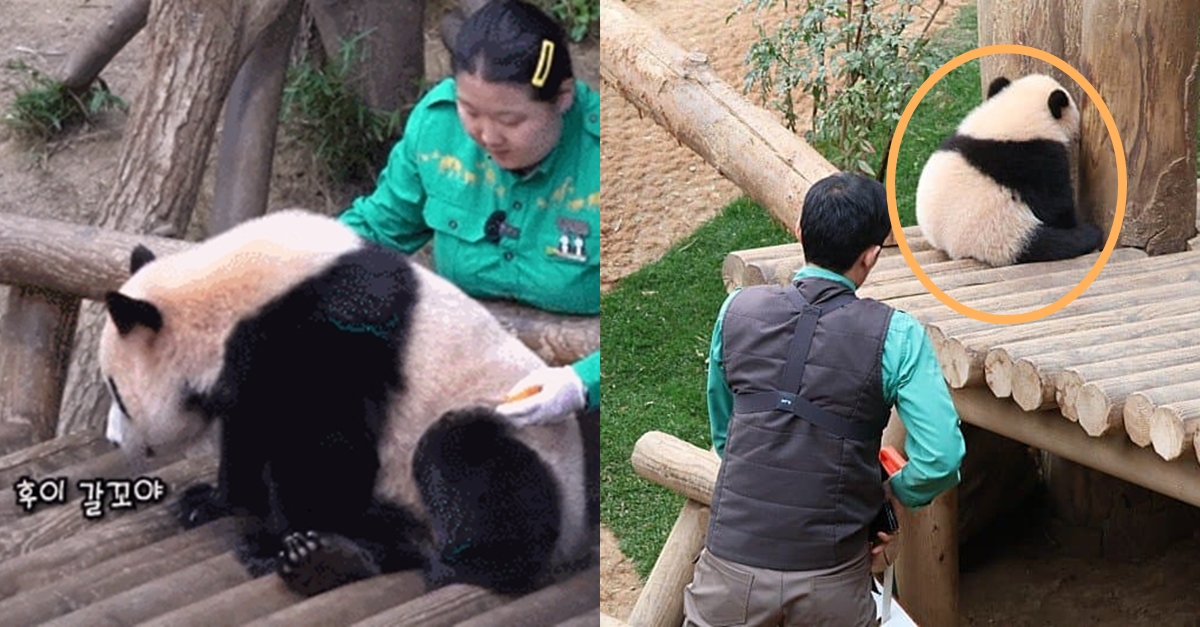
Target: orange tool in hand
[[522, 394], [891, 459]]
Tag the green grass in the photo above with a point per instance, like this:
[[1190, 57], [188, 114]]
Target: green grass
[[656, 330], [46, 110]]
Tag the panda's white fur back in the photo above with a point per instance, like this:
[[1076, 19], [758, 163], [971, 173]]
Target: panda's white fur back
[[459, 356], [988, 224], [966, 213]]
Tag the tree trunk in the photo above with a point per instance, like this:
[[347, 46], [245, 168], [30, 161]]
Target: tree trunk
[[247, 147], [392, 66], [1148, 80], [453, 20], [1049, 25], [86, 61], [193, 54], [35, 334]]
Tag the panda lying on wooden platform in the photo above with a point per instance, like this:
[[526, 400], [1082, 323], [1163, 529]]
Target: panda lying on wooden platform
[[354, 393], [999, 188]]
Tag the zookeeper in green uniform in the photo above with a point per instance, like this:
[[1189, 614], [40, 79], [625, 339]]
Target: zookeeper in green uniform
[[500, 166]]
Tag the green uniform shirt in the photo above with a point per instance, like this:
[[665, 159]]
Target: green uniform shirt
[[912, 381], [440, 184]]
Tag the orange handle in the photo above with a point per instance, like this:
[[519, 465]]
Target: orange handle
[[891, 459], [523, 394]]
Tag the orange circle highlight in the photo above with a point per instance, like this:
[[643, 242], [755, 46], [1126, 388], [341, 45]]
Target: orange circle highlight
[[1122, 184]]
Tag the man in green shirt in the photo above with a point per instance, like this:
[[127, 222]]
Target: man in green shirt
[[801, 382], [500, 167]]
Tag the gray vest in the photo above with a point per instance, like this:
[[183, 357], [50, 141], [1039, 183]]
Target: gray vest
[[800, 480]]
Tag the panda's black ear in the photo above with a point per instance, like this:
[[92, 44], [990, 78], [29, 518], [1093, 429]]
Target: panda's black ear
[[139, 257], [1058, 102], [128, 313], [998, 85]]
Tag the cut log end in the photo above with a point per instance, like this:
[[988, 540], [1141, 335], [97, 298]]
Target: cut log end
[[1137, 413], [1096, 411], [1030, 390], [1166, 433], [1066, 390], [998, 373], [962, 366]]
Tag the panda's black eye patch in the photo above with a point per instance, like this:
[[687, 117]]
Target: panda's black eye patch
[[112, 385]]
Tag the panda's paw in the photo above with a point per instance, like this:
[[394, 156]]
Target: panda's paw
[[199, 505], [311, 563]]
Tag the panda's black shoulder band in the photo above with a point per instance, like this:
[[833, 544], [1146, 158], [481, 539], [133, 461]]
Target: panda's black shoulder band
[[997, 86]]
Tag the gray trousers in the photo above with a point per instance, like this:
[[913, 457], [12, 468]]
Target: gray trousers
[[724, 593]]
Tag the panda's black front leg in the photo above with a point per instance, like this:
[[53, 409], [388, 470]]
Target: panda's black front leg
[[240, 486]]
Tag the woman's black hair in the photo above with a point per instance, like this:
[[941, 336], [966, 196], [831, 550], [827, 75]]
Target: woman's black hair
[[504, 42], [843, 215]]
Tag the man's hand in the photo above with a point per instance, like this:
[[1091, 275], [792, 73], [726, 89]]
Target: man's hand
[[881, 557], [545, 395]]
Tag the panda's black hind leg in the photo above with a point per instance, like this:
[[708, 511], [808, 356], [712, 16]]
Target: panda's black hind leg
[[494, 508], [1051, 244], [311, 563]]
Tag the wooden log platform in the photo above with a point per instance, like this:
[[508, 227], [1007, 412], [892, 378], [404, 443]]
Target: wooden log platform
[[137, 565]]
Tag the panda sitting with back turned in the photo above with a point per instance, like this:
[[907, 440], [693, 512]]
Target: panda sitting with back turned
[[999, 189], [353, 395]]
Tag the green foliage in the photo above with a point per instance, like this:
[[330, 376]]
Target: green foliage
[[46, 109], [577, 16], [858, 63], [657, 327], [320, 108], [940, 111]]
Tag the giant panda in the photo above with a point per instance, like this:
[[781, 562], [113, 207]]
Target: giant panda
[[999, 189], [352, 394]]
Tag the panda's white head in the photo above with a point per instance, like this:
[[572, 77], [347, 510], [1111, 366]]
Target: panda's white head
[[1032, 107], [151, 376], [162, 348]]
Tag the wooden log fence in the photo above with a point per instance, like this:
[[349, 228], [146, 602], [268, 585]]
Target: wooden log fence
[[680, 91]]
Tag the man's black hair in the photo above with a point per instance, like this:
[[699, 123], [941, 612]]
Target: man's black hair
[[843, 215], [502, 43]]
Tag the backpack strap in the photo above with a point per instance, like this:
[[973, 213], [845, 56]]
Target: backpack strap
[[787, 398]]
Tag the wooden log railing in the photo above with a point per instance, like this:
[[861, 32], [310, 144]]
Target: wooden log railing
[[680, 91], [59, 263]]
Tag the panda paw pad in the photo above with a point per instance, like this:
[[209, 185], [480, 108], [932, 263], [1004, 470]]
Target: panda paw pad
[[297, 547], [311, 563]]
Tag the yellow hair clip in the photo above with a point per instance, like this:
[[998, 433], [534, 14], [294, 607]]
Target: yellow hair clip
[[543, 67]]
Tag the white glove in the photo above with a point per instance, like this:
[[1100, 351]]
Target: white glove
[[559, 394]]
